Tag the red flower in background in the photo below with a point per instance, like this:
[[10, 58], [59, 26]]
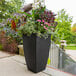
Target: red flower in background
[[13, 25]]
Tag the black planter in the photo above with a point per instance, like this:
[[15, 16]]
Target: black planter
[[36, 51]]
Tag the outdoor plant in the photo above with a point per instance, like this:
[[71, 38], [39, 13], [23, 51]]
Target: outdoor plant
[[9, 38], [36, 32], [40, 21], [9, 44], [11, 27]]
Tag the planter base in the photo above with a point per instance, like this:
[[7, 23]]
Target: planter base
[[36, 71]]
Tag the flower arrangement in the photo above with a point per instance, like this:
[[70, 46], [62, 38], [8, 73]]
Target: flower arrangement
[[40, 21]]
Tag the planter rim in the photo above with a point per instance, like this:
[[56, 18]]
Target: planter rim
[[35, 35]]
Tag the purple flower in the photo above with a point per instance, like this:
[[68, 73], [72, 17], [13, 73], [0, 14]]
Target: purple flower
[[9, 20], [39, 20]]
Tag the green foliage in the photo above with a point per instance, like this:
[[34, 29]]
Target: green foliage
[[73, 38], [70, 47], [63, 28], [74, 29], [37, 12], [27, 28], [7, 7], [1, 47]]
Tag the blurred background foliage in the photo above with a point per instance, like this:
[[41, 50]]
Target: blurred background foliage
[[64, 31], [9, 10], [8, 7]]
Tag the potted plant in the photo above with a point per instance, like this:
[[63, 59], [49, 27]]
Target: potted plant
[[37, 37], [36, 28]]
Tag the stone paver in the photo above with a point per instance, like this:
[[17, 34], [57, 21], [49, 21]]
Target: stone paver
[[3, 54], [9, 67], [19, 59], [16, 66]]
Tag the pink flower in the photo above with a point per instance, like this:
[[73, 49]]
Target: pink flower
[[45, 28], [43, 20], [47, 23], [39, 20], [41, 24]]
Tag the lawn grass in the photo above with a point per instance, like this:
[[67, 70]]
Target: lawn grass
[[1, 47], [70, 47]]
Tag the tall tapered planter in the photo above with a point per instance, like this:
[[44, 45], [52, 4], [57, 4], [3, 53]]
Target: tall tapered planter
[[36, 51]]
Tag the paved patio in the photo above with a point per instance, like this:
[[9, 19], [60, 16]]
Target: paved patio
[[14, 65]]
